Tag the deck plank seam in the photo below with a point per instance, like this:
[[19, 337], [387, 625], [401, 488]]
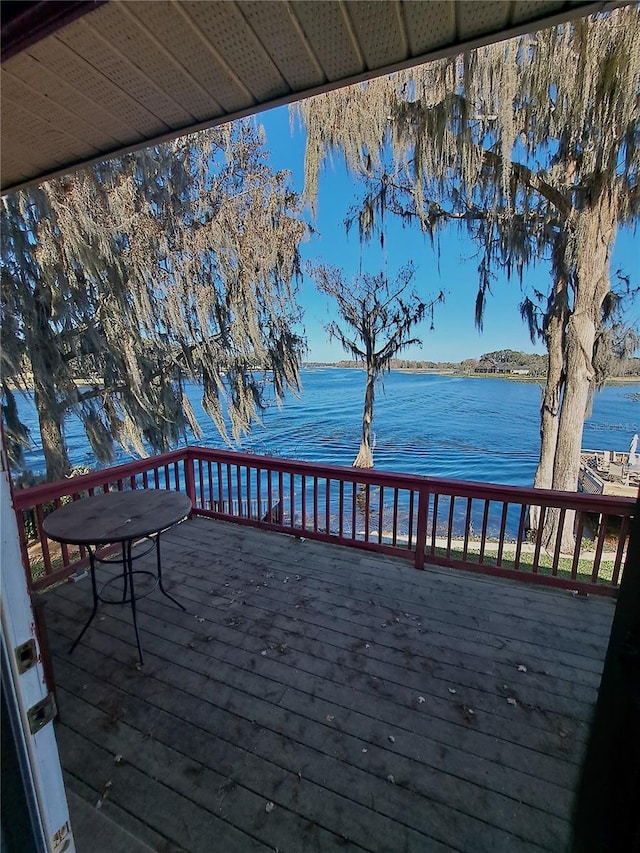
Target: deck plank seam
[[491, 735], [174, 619], [359, 559], [357, 803], [572, 633], [605, 606], [488, 823], [529, 650], [151, 610]]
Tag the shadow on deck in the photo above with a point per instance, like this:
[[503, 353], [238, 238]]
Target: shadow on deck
[[318, 698]]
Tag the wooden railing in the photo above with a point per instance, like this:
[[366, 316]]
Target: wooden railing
[[48, 563], [475, 526]]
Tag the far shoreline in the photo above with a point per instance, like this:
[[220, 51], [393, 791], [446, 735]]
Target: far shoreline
[[515, 377], [26, 383]]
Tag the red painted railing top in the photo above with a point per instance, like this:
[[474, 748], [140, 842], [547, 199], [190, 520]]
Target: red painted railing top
[[25, 498], [609, 504], [430, 519], [442, 485]]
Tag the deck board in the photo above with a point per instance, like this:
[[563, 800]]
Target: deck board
[[281, 685]]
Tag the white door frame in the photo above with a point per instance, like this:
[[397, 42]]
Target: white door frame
[[37, 752]]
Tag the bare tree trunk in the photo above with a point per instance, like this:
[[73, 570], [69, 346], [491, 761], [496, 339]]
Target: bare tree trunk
[[43, 352], [364, 459], [550, 408], [53, 446], [595, 232]]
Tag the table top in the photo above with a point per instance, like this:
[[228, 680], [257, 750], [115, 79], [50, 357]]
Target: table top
[[116, 516]]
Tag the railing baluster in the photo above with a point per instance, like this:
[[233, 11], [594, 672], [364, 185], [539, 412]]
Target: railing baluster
[[203, 499], [536, 553], [421, 532], [367, 511], [268, 514], [179, 468], [229, 489], [483, 535], [46, 556], [578, 546], [558, 548], [503, 528], [622, 539], [521, 523], [303, 502], [410, 528], [602, 533], [239, 489], [452, 503], [434, 524], [467, 527], [327, 505], [64, 548], [394, 538], [353, 511], [190, 481], [259, 513]]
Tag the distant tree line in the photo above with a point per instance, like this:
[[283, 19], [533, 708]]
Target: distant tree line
[[500, 361]]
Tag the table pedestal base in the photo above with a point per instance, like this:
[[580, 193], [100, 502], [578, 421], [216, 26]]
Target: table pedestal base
[[128, 588]]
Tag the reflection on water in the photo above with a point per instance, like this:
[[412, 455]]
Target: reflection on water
[[474, 429]]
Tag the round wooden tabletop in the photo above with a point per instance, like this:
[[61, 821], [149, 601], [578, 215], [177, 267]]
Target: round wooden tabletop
[[116, 516]]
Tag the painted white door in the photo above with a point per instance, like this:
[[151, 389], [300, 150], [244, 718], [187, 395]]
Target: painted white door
[[36, 748]]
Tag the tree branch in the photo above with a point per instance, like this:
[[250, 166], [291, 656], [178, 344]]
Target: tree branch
[[533, 180]]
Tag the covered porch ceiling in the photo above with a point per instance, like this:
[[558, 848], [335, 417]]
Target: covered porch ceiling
[[82, 81]]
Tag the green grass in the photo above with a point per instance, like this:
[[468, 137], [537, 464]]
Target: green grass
[[545, 563]]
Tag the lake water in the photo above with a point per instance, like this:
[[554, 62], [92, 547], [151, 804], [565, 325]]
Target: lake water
[[483, 429]]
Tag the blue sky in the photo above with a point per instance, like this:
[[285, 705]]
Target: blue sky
[[455, 336]]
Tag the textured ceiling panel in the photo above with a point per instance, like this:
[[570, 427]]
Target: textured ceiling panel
[[68, 98], [476, 17], [281, 34], [93, 84], [173, 28], [32, 134], [525, 10], [115, 76], [121, 61], [85, 133], [430, 25], [225, 27], [154, 57], [330, 33], [379, 28]]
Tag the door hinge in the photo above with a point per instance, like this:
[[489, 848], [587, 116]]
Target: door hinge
[[42, 713], [26, 656], [62, 839]]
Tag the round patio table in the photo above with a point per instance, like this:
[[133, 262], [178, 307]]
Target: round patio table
[[119, 518]]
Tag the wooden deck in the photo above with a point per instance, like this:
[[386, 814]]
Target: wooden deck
[[318, 698]]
